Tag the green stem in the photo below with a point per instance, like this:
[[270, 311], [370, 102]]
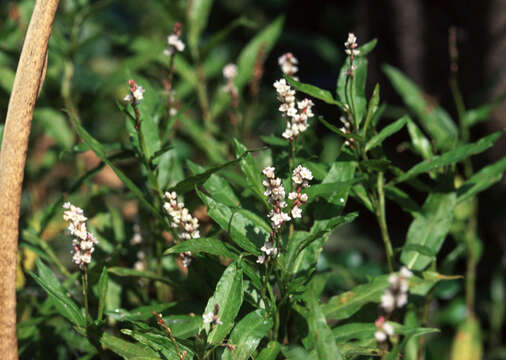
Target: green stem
[[84, 280], [381, 217]]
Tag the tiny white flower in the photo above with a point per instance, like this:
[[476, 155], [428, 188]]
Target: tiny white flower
[[261, 259], [388, 301], [296, 212], [208, 318], [230, 71], [380, 336]]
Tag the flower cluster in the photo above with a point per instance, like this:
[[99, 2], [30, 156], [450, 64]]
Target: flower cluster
[[230, 73], [384, 329], [175, 43], [346, 128], [135, 93], [300, 178], [275, 192], [351, 51], [296, 113], [84, 242], [351, 45], [396, 295], [268, 250], [212, 317], [288, 64], [183, 220], [137, 236]]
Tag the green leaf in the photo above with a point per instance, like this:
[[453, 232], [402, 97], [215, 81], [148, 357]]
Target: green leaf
[[183, 326], [245, 228], [63, 303], [149, 109], [222, 34], [249, 168], [127, 350], [451, 157], [228, 295], [372, 109], [482, 113], [367, 47], [198, 14], [353, 331], [348, 303], [389, 130], [408, 335], [141, 313], [127, 272], [335, 130], [217, 186], [260, 44], [482, 180], [429, 229], [403, 200], [433, 118], [159, 342], [247, 335], [99, 150], [270, 352], [320, 331], [103, 283], [420, 142], [313, 91], [202, 245], [274, 141], [55, 125]]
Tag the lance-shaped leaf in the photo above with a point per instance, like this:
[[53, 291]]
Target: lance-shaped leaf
[[217, 186], [389, 130], [159, 342], [203, 245], [127, 350], [198, 14], [247, 335], [313, 91], [63, 303], [420, 142], [451, 157], [482, 180], [249, 168], [257, 50], [245, 228], [228, 296], [103, 283], [434, 119], [320, 331], [429, 229], [270, 352], [99, 150], [348, 303]]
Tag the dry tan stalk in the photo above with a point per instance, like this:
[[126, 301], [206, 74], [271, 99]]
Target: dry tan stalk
[[27, 84]]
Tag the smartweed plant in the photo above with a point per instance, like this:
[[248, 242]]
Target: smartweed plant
[[222, 257]]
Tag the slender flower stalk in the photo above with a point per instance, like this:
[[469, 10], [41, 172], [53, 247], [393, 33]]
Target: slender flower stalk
[[175, 45]]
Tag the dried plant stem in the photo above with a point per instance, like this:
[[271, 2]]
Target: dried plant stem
[[27, 84]]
